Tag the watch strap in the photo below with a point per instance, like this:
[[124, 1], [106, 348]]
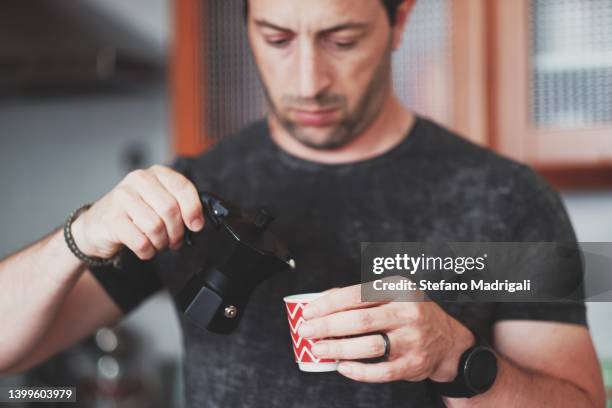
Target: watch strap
[[459, 387]]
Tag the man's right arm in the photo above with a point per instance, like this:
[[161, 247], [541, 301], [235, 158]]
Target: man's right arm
[[49, 299]]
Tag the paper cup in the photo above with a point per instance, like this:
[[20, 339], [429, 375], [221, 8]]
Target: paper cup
[[302, 348]]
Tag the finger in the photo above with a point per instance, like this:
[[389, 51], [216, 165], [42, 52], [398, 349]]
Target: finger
[[336, 300], [352, 348], [164, 204], [185, 194], [356, 321], [144, 217], [373, 372], [128, 234]]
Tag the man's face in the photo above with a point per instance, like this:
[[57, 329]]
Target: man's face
[[325, 65]]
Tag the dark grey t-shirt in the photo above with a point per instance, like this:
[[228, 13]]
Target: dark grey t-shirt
[[434, 186]]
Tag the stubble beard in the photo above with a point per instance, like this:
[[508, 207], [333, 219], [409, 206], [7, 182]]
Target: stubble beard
[[352, 124]]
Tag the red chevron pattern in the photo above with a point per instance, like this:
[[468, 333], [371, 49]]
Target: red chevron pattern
[[302, 348]]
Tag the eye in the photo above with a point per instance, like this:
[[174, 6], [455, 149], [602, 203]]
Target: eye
[[342, 45], [278, 42], [345, 45]]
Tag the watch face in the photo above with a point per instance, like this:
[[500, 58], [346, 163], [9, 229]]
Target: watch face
[[482, 370]]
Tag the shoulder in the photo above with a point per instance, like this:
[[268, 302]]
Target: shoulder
[[246, 140], [462, 161], [517, 200], [227, 153], [452, 149]]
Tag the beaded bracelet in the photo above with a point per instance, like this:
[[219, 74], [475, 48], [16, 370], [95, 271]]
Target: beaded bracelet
[[89, 260]]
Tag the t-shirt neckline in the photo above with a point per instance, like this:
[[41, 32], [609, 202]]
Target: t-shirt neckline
[[300, 163]]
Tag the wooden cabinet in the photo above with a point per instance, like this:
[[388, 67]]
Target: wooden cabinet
[[551, 64]]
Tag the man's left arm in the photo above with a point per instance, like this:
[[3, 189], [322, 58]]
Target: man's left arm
[[539, 363], [542, 364]]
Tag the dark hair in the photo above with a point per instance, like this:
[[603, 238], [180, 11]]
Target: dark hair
[[390, 8]]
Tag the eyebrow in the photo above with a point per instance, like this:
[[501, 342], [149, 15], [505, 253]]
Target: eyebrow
[[339, 27]]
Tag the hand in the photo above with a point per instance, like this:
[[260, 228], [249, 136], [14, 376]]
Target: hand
[[425, 341], [146, 212]]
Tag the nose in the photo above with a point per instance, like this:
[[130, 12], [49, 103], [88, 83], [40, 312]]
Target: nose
[[313, 75]]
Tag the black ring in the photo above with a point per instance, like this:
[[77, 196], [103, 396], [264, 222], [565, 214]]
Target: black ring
[[387, 344]]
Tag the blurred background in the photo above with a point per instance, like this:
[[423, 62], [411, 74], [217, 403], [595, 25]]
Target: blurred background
[[92, 89]]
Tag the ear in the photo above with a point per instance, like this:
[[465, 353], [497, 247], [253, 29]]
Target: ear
[[401, 19]]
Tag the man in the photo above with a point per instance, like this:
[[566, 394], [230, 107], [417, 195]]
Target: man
[[340, 161]]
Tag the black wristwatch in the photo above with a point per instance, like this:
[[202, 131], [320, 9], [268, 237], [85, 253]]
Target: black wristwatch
[[475, 375]]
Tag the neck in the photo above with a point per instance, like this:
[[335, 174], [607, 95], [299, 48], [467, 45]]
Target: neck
[[385, 132]]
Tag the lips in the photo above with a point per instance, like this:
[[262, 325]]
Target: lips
[[315, 117]]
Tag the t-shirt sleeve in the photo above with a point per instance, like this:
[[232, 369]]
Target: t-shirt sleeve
[[137, 279], [130, 285], [540, 216]]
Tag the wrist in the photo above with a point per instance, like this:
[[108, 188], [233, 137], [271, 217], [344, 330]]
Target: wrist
[[78, 234], [462, 339], [79, 246], [476, 371], [55, 249]]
